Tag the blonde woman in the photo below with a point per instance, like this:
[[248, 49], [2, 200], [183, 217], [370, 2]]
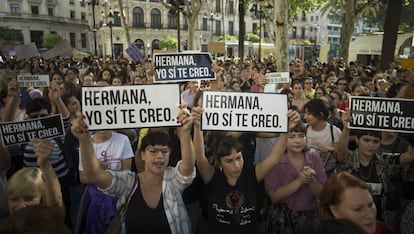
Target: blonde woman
[[35, 186]]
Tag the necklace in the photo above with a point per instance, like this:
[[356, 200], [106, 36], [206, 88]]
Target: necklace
[[371, 165]]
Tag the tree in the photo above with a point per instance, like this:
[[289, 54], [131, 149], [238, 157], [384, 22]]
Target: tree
[[190, 10], [168, 43], [252, 37], [283, 15], [125, 25], [227, 37], [351, 11], [51, 40], [389, 39], [6, 33]]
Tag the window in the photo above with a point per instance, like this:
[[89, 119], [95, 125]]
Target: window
[[255, 28], [218, 28], [231, 27], [154, 0], [231, 7], [302, 32], [83, 16], [138, 17], [50, 11], [82, 3], [72, 14], [83, 40], [72, 2], [218, 6], [15, 8], [172, 19], [294, 32], [204, 25], [155, 18], [311, 19], [185, 24], [72, 38], [117, 19], [35, 10]]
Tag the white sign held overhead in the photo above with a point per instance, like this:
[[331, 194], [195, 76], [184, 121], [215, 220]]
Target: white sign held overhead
[[29, 80], [247, 112], [277, 77], [132, 106]]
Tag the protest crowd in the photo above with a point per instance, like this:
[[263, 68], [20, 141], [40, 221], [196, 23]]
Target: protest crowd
[[320, 176]]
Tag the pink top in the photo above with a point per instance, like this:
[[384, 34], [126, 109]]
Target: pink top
[[284, 173]]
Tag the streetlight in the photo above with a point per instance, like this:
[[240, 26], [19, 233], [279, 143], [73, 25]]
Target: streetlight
[[212, 19], [110, 23], [257, 10], [93, 3]]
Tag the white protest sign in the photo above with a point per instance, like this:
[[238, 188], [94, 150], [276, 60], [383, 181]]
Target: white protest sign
[[19, 132], [277, 77], [29, 80], [132, 106], [247, 112]]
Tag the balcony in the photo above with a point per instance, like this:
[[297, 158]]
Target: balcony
[[35, 1], [51, 2]]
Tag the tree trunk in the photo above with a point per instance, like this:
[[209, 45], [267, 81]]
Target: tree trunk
[[392, 20], [191, 26], [124, 23], [348, 27], [281, 37], [242, 30]]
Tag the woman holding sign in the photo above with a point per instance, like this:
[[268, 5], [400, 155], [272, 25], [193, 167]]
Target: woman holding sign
[[151, 200], [231, 185]]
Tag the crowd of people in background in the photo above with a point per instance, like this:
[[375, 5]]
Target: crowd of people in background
[[315, 178]]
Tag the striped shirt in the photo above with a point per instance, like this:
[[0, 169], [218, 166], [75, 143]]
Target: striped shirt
[[56, 159]]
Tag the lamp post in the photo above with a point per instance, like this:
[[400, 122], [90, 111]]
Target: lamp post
[[257, 11], [95, 44], [212, 19], [110, 23]]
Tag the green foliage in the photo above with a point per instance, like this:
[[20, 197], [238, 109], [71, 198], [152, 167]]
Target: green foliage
[[227, 37], [168, 43], [6, 33], [297, 6], [251, 37], [51, 40], [407, 17]]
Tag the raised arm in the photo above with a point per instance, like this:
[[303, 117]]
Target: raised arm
[[43, 150], [56, 101], [342, 146], [12, 102], [91, 166], [186, 166], [265, 166], [205, 168]]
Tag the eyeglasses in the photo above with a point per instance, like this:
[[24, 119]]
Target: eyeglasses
[[154, 151], [35, 116]]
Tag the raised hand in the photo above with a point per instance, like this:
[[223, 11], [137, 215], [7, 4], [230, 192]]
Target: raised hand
[[43, 150], [13, 88], [79, 127], [196, 113], [294, 118], [54, 92], [184, 117]]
